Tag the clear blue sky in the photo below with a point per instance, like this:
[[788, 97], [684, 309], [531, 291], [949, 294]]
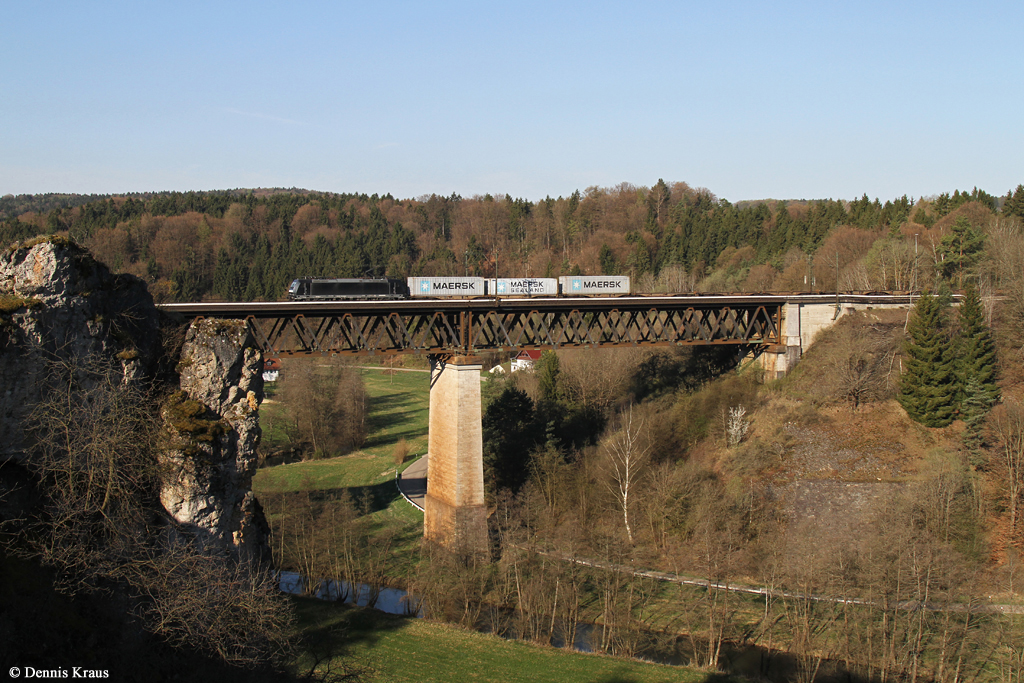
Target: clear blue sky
[[749, 99]]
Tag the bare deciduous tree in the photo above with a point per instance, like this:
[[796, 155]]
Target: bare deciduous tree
[[332, 539], [736, 426], [1007, 424], [328, 405], [207, 602], [598, 377], [858, 357], [627, 453], [715, 540], [94, 459], [93, 455]]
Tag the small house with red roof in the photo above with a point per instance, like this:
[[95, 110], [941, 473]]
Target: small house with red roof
[[525, 359], [271, 368]]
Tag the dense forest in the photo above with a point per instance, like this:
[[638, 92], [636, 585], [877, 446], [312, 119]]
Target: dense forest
[[248, 244]]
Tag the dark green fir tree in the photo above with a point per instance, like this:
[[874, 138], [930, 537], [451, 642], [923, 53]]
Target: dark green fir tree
[[547, 370], [960, 250], [974, 405], [607, 260], [977, 390], [509, 435], [928, 384]]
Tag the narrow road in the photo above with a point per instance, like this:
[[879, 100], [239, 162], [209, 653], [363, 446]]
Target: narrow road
[[412, 483]]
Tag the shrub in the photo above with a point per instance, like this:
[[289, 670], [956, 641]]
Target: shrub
[[400, 452]]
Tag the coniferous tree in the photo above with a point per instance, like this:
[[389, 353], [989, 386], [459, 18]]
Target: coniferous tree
[[607, 260], [923, 217], [1014, 203], [928, 384], [187, 286], [960, 249], [547, 370], [974, 405], [509, 435], [222, 275], [976, 357], [657, 206]]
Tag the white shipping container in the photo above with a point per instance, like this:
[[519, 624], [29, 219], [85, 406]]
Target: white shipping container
[[446, 286], [594, 284], [522, 286]]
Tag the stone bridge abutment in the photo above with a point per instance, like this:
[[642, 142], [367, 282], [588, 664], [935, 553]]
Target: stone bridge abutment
[[803, 318]]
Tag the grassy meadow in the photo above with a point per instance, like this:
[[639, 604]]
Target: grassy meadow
[[398, 408], [385, 648]]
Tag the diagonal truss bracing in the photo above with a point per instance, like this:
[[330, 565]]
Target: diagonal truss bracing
[[479, 328]]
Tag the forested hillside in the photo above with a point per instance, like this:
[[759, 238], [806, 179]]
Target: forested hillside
[[248, 244]]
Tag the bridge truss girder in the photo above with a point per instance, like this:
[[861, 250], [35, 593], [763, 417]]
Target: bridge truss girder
[[469, 331]]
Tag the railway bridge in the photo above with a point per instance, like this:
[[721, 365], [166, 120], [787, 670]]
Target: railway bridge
[[776, 329]]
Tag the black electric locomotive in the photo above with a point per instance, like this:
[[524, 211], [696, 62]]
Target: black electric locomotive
[[334, 289]]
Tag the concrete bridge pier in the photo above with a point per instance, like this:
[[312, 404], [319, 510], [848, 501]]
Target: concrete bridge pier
[[454, 511]]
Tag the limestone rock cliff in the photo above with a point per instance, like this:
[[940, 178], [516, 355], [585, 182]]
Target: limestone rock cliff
[[58, 305], [213, 429]]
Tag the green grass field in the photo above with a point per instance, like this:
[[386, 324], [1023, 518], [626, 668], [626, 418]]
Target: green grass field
[[398, 408], [390, 649]]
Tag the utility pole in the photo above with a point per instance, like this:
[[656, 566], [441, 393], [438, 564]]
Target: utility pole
[[838, 306], [913, 286]]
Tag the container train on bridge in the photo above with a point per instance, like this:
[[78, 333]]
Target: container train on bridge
[[358, 289]]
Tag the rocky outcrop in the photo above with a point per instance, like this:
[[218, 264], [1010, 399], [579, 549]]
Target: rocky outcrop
[[59, 306], [212, 430]]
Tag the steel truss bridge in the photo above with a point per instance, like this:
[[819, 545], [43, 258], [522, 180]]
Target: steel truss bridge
[[469, 326]]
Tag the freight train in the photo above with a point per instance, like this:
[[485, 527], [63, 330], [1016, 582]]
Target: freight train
[[360, 289]]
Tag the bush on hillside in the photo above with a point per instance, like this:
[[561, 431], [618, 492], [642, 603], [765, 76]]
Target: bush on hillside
[[704, 414], [855, 361]]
